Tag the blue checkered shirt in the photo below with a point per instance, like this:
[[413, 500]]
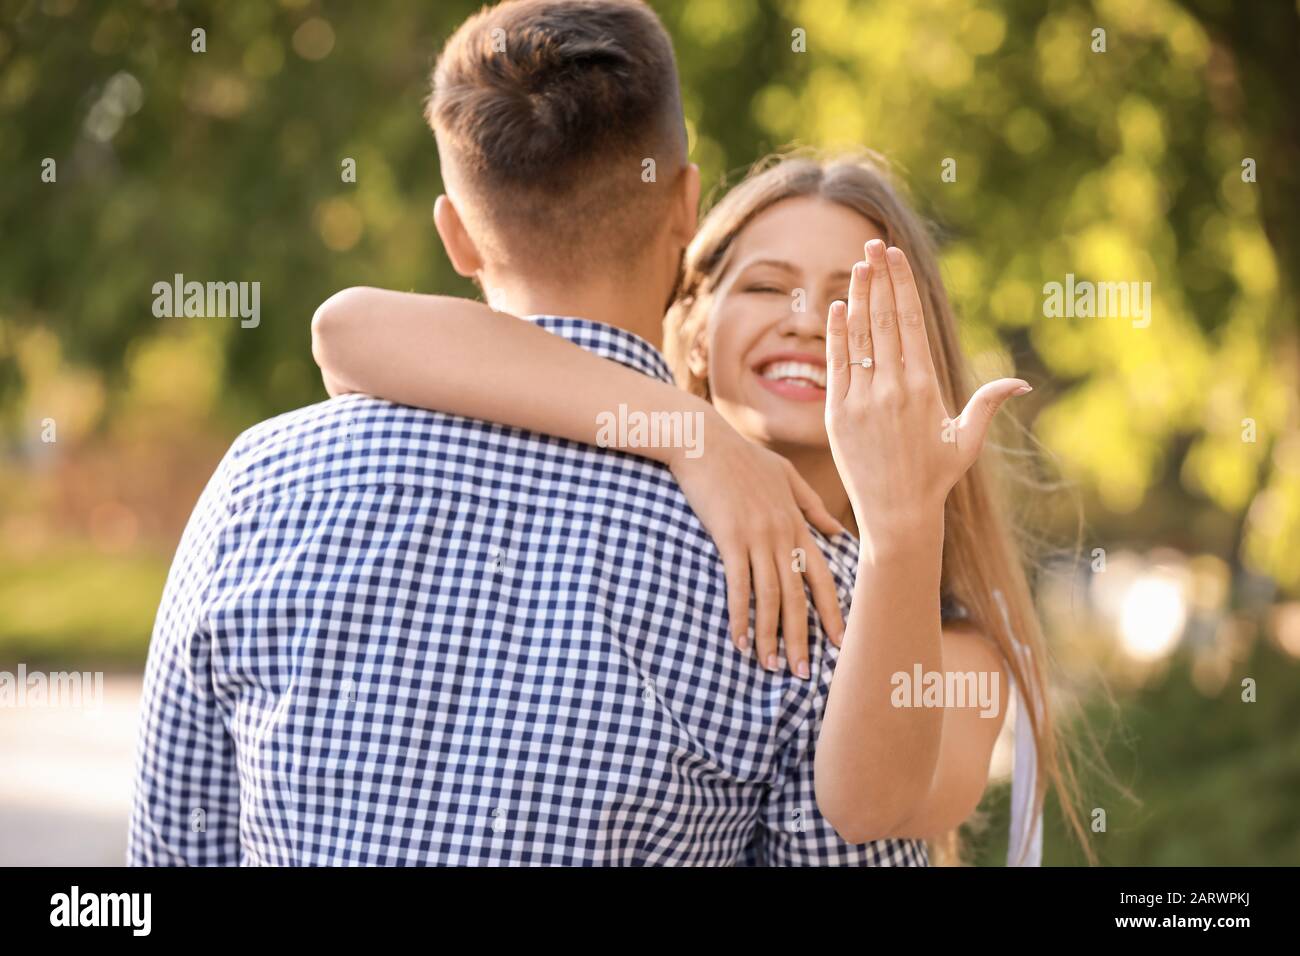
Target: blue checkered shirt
[[393, 636]]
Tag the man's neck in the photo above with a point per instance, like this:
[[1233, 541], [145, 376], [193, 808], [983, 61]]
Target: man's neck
[[625, 305]]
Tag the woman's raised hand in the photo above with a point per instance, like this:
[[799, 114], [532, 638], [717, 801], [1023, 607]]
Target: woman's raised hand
[[896, 448]]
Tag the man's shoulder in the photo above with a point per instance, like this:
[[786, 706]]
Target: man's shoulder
[[357, 440], [332, 422], [291, 427]]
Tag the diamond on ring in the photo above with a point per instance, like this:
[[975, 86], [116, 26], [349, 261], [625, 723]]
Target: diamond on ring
[[865, 363]]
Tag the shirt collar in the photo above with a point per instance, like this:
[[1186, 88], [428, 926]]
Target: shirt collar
[[609, 342]]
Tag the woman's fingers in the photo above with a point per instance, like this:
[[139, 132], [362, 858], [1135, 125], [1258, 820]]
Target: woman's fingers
[[825, 597], [974, 421], [918, 367], [767, 598], [837, 353], [886, 349], [794, 615], [859, 326], [819, 577], [735, 562]]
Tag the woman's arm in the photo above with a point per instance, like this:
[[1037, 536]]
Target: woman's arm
[[889, 762], [461, 357]]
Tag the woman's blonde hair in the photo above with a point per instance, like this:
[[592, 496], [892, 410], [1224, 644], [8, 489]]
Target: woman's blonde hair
[[982, 561]]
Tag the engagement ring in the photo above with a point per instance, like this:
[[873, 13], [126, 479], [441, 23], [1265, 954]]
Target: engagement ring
[[865, 363]]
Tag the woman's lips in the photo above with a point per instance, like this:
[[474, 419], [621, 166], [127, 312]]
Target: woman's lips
[[797, 391], [798, 377], [794, 390]]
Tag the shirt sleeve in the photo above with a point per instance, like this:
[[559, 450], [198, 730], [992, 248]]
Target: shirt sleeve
[[185, 803], [792, 831]]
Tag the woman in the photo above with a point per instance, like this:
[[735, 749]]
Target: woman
[[843, 419]]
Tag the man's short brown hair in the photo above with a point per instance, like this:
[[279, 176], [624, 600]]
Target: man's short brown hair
[[548, 110]]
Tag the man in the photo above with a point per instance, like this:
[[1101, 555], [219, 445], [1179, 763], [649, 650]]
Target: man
[[392, 636]]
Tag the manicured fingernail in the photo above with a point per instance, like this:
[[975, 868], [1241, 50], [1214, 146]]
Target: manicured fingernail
[[860, 271], [876, 249], [1023, 390], [802, 670], [895, 255], [837, 308], [742, 641], [770, 663]]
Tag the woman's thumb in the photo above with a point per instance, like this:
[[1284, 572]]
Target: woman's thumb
[[811, 504], [982, 408]]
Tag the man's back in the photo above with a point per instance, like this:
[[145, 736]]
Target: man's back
[[398, 637]]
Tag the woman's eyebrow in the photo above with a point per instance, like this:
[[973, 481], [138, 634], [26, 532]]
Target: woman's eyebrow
[[839, 275], [775, 263]]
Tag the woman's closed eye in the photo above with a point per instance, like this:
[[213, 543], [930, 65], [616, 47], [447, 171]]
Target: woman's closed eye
[[764, 288]]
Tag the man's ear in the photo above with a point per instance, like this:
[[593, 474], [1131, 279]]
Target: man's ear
[[464, 255], [686, 215]]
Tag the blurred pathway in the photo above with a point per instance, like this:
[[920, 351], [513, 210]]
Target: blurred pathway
[[65, 778]]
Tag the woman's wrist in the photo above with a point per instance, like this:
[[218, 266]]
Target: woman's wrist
[[901, 533]]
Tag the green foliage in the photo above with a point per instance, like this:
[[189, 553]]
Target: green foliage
[[230, 169], [1215, 782]]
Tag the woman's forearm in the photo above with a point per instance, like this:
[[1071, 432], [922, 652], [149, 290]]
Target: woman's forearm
[[875, 761], [457, 356]]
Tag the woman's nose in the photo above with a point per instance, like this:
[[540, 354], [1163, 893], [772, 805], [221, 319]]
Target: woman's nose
[[804, 319]]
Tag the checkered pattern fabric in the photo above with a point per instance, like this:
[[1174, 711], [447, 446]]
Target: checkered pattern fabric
[[392, 636]]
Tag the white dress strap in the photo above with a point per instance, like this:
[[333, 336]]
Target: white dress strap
[[1025, 845]]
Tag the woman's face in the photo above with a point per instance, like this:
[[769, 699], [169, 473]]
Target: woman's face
[[766, 332]]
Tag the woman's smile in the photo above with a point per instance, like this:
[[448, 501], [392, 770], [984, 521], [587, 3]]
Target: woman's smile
[[798, 376]]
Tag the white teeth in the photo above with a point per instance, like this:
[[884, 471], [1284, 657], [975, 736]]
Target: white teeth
[[801, 371]]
